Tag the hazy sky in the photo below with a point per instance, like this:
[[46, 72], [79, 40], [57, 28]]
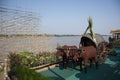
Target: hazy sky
[[71, 16]]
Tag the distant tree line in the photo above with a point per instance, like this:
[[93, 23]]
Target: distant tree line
[[57, 35]]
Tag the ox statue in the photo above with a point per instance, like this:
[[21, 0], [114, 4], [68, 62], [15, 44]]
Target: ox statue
[[85, 54], [67, 53]]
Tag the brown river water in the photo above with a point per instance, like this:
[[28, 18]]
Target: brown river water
[[35, 44]]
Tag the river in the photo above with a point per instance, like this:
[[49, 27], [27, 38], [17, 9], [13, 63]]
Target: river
[[36, 44]]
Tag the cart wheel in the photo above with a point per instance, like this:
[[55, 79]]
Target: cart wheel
[[102, 58], [101, 52]]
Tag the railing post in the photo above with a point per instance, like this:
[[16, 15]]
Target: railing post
[[5, 69]]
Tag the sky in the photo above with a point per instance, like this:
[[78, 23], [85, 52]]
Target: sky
[[71, 16]]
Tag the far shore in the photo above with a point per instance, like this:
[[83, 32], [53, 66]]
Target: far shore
[[7, 35], [48, 35]]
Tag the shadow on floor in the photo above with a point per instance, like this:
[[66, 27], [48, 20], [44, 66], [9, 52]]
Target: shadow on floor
[[110, 70], [59, 77]]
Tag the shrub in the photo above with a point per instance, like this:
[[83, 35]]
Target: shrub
[[24, 73], [32, 60], [19, 70], [28, 58], [14, 60]]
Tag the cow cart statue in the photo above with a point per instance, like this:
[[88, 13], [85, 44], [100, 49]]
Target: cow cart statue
[[90, 49], [99, 44]]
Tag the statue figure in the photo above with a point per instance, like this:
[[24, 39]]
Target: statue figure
[[90, 27]]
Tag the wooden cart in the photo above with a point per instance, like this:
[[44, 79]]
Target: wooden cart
[[99, 43]]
